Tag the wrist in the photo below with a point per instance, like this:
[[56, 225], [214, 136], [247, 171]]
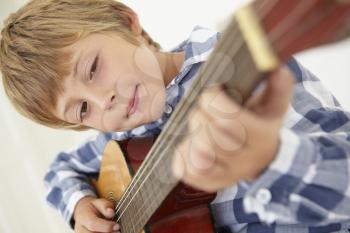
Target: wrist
[[265, 156], [82, 202]]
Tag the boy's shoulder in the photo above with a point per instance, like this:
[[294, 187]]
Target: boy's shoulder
[[199, 38], [199, 44]]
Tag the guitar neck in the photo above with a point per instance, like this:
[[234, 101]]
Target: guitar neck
[[294, 26]]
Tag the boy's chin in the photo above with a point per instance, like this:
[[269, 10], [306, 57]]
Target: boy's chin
[[135, 121]]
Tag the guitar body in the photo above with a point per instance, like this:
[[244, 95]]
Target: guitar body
[[185, 209]]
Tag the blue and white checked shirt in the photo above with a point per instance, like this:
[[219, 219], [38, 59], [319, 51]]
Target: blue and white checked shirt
[[305, 189]]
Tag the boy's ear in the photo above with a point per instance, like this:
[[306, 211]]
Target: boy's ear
[[135, 25]]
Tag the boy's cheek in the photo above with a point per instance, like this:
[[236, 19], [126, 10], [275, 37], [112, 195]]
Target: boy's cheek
[[157, 105], [147, 63]]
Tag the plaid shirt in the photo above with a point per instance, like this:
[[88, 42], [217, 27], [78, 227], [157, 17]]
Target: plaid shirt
[[305, 189]]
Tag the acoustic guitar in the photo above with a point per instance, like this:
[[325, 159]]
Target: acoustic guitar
[[136, 174]]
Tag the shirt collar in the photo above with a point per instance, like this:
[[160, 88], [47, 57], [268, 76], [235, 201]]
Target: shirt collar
[[197, 48]]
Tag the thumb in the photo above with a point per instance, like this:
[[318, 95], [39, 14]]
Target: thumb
[[105, 207], [278, 92]]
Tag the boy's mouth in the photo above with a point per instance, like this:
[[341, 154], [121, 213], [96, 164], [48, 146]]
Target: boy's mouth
[[133, 103]]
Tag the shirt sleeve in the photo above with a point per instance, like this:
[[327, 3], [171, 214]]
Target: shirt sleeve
[[67, 179], [308, 182]]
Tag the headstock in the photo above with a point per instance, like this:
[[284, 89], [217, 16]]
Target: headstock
[[296, 25]]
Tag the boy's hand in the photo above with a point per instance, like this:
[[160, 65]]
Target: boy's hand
[[94, 215], [227, 143]]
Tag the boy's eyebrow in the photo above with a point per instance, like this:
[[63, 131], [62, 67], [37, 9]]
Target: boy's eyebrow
[[76, 66]]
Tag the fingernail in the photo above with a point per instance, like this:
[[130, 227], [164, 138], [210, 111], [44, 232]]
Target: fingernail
[[109, 209], [116, 227]]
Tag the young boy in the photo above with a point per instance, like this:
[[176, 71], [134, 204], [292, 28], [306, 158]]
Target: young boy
[[80, 64]]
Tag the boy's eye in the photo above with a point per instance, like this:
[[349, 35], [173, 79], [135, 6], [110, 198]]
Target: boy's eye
[[83, 111], [93, 68]]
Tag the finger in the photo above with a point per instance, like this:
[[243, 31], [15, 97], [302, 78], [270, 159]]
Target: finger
[[105, 207], [204, 179], [196, 163], [225, 117], [96, 224], [220, 106], [253, 101], [208, 180], [213, 138], [205, 158], [185, 158], [214, 143], [278, 92], [81, 229], [227, 135], [217, 102]]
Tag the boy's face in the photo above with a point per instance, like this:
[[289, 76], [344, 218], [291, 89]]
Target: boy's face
[[117, 85]]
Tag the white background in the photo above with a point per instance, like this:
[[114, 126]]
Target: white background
[[27, 149]]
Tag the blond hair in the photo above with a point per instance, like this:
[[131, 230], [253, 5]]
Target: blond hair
[[32, 60]]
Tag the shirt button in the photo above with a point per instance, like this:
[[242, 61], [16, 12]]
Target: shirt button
[[270, 218], [263, 196], [168, 109]]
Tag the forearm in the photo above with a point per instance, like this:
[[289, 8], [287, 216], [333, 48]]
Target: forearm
[[66, 183]]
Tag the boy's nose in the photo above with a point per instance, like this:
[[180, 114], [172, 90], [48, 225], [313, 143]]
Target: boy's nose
[[103, 101], [109, 102]]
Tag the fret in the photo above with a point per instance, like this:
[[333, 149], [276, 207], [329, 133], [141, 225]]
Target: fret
[[134, 208], [139, 214], [135, 184], [128, 217], [148, 206], [145, 209], [125, 224], [148, 210], [127, 197], [143, 215]]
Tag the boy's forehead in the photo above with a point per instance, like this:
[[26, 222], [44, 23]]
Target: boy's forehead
[[80, 48], [87, 43], [93, 38]]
